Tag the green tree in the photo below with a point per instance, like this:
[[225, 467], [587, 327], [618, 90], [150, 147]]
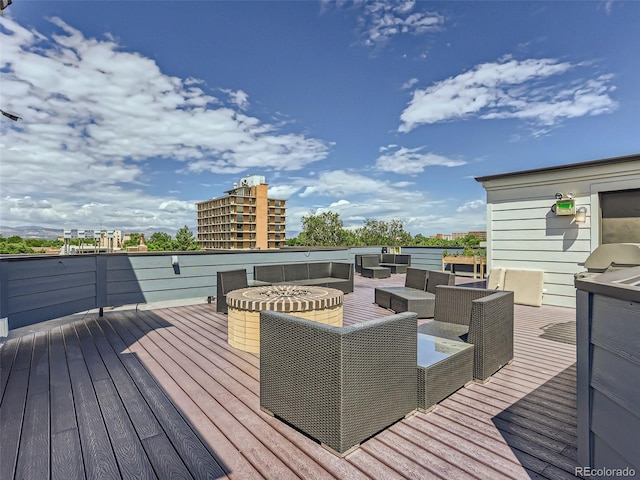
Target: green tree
[[379, 232], [15, 239], [351, 239], [325, 229], [12, 248], [134, 240], [160, 241], [185, 240]]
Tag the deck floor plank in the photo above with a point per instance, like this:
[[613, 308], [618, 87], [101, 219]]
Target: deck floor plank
[[188, 448], [13, 407], [160, 393], [7, 355], [98, 456], [66, 452], [228, 398], [127, 447], [33, 457]]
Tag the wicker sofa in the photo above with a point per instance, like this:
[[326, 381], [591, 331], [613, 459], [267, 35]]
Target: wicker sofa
[[338, 385], [418, 294], [325, 274], [478, 316]]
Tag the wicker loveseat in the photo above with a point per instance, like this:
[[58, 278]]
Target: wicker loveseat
[[338, 385], [324, 274], [418, 293], [478, 316]]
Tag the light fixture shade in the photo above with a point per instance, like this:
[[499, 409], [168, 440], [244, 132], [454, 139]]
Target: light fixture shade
[[581, 214]]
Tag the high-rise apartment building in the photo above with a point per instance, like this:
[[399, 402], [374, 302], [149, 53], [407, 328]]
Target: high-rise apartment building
[[242, 219]]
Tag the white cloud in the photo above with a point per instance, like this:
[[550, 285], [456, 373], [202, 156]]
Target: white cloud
[[471, 206], [177, 206], [409, 83], [339, 183], [382, 20], [340, 203], [283, 192], [510, 88], [96, 119], [238, 97], [411, 160]]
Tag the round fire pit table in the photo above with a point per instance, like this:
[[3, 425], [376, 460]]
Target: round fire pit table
[[320, 304]]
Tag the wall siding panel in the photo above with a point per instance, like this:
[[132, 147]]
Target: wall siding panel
[[523, 231]]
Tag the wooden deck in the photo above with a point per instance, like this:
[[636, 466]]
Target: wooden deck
[[160, 394]]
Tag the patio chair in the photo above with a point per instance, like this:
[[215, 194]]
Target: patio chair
[[370, 267], [358, 260], [339, 385], [228, 281], [478, 316]]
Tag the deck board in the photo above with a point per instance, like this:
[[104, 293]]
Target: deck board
[[160, 393]]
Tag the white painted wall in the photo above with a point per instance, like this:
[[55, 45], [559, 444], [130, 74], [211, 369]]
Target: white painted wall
[[523, 232]]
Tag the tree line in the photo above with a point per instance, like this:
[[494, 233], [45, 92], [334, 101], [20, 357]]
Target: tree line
[[327, 229], [324, 229], [157, 242]]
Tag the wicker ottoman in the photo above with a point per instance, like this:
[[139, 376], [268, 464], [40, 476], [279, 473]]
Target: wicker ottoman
[[376, 272], [444, 366]]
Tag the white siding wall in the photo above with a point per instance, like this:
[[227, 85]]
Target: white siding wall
[[524, 233]]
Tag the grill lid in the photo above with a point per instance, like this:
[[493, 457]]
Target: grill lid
[[612, 256]]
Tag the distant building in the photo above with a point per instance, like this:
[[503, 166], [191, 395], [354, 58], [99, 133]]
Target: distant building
[[109, 240], [244, 218], [481, 234]]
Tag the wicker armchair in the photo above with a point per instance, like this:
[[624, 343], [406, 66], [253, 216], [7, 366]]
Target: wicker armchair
[[478, 316], [370, 267], [338, 385], [228, 281]]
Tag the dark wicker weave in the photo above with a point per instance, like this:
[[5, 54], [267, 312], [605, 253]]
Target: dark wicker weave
[[228, 281], [437, 278], [371, 267], [323, 274], [358, 259], [395, 262], [439, 380], [415, 296], [338, 385], [481, 317]]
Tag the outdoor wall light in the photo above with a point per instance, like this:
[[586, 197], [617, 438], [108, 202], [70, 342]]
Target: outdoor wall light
[[174, 260], [581, 214]]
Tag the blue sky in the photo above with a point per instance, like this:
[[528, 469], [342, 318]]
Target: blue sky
[[134, 111]]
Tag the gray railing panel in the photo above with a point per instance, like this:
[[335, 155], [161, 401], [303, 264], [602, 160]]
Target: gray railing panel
[[39, 288]]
